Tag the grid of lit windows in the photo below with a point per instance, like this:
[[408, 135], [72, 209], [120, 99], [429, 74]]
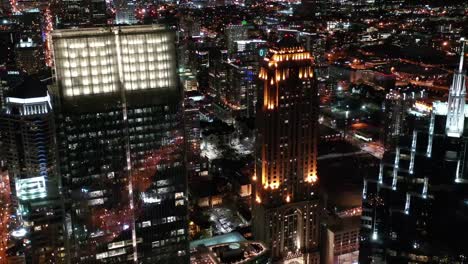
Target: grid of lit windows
[[97, 61], [86, 65], [147, 62]]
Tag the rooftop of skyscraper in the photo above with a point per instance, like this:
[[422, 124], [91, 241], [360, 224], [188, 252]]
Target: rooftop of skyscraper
[[29, 88]]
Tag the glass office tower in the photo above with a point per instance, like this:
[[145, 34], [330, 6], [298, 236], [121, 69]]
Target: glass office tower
[[121, 144]]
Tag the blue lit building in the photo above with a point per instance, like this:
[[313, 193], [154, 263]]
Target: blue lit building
[[28, 148]]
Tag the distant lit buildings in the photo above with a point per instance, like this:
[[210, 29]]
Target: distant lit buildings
[[373, 78], [188, 80], [217, 74], [125, 12], [232, 79], [72, 13], [415, 208], [341, 241], [286, 206], [396, 107], [234, 33], [193, 137], [251, 47], [29, 56], [240, 94], [313, 42], [190, 26], [121, 144], [28, 148], [27, 5], [243, 67], [315, 7]]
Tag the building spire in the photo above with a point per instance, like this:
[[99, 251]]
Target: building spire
[[456, 101], [462, 55]]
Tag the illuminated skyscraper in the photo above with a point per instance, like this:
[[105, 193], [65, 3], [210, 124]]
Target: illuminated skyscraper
[[28, 148], [415, 208], [286, 208], [121, 144]]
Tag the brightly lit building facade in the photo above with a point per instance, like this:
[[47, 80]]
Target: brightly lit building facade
[[415, 208], [121, 144], [286, 205], [28, 149]]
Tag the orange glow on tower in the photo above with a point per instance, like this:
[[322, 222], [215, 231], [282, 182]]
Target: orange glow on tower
[[289, 104], [287, 125]]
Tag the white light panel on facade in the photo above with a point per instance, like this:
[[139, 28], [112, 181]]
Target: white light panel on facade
[[31, 188], [96, 61]]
